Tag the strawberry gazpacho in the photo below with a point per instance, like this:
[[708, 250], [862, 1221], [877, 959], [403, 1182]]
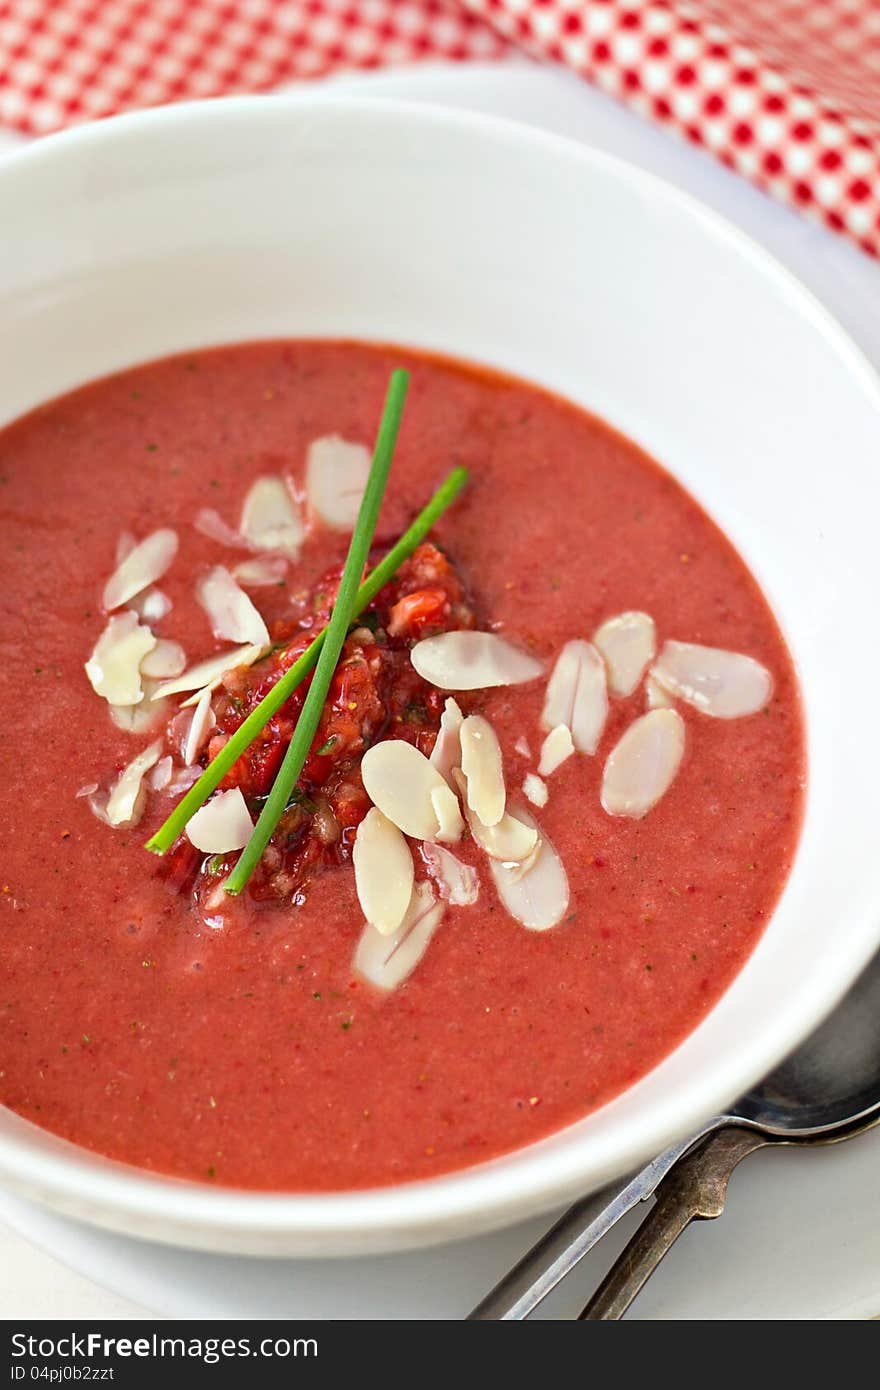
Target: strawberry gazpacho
[[462, 818]]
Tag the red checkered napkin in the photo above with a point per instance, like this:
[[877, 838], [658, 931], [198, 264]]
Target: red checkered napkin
[[785, 91]]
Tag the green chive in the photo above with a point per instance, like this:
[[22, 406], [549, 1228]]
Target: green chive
[[334, 639], [247, 731]]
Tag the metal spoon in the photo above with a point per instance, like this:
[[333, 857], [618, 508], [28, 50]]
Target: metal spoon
[[695, 1190], [832, 1082]]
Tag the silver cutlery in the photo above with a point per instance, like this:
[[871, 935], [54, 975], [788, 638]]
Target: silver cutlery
[[827, 1090]]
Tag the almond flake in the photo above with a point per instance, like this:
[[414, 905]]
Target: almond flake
[[557, 746], [723, 684], [151, 606], [139, 719], [212, 525], [97, 804], [483, 769], [162, 773], [386, 961], [655, 696], [535, 789], [127, 795], [457, 883], [270, 519], [231, 613], [336, 476], [510, 840], [141, 567], [114, 666], [627, 643], [472, 661], [535, 893], [383, 872], [201, 724], [450, 825], [262, 571], [643, 764], [577, 695], [208, 674], [223, 824], [523, 747], [399, 780], [166, 659], [183, 779], [446, 753], [124, 546]]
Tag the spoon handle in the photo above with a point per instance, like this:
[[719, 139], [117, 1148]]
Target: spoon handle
[[695, 1189], [581, 1227]]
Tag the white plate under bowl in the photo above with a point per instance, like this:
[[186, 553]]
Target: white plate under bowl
[[247, 218]]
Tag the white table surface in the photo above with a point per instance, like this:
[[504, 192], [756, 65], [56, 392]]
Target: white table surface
[[801, 1236]]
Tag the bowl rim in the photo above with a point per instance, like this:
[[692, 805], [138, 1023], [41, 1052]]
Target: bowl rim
[[533, 1178]]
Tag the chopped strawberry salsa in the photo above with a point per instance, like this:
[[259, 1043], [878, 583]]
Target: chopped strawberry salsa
[[375, 694]]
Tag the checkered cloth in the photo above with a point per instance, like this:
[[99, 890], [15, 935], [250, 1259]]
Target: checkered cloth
[[787, 92]]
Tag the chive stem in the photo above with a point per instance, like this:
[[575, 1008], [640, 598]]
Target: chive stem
[[247, 731], [334, 637]]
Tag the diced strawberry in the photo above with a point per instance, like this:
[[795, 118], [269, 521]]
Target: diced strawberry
[[375, 693], [416, 614]]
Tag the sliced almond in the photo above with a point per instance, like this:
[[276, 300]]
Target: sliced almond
[[472, 661], [222, 824], [523, 747], [209, 673], [166, 659], [399, 780], [535, 893], [723, 684], [535, 789], [450, 825], [124, 546], [114, 667], [655, 696], [141, 567], [336, 476], [139, 719], [510, 840], [270, 519], [642, 766], [232, 615], [212, 525], [262, 571], [557, 746], [627, 644], [383, 872], [201, 724], [162, 773], [577, 695], [151, 606], [127, 795], [457, 883], [386, 961], [483, 769], [97, 804], [183, 779], [446, 753]]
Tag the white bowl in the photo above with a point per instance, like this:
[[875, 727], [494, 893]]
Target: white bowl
[[313, 215]]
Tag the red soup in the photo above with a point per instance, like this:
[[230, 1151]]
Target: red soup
[[555, 892]]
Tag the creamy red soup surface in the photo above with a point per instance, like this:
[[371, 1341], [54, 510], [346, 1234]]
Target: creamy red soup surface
[[265, 1041]]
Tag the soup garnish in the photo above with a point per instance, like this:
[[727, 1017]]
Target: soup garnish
[[431, 798]]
